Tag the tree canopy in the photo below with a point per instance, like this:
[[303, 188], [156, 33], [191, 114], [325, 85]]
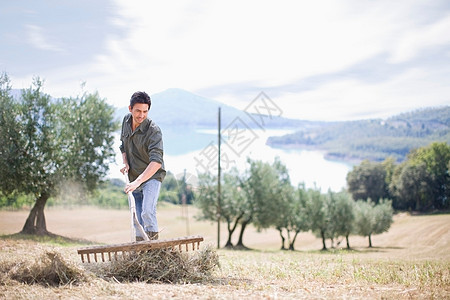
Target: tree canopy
[[48, 142], [420, 183], [367, 180], [372, 219], [264, 197]]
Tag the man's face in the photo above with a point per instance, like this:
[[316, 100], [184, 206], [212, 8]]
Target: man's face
[[139, 112]]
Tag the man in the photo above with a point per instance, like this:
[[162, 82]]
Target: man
[[142, 154]]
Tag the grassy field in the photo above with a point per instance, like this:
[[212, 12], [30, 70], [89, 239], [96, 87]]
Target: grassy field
[[411, 261]]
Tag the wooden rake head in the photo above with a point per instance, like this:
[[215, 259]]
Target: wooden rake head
[[122, 251]]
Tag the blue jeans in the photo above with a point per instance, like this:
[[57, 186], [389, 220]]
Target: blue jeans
[[146, 198]]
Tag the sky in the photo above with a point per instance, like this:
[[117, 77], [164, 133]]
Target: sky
[[317, 60]]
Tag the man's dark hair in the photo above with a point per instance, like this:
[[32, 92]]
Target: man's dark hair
[[140, 97]]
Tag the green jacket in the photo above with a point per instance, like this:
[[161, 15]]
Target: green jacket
[[142, 146]]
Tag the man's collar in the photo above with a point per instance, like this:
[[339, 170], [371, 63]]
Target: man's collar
[[144, 123]]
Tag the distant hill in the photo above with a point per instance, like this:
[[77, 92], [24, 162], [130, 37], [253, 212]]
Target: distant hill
[[180, 108], [374, 139], [184, 116]]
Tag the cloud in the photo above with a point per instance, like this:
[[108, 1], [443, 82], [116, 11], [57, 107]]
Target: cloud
[[415, 41], [350, 99], [270, 43], [229, 43], [317, 59], [36, 37]]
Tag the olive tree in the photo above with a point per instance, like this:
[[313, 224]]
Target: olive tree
[[236, 207], [383, 216], [287, 207], [268, 192], [233, 207], [206, 199], [341, 211], [296, 216], [373, 219], [48, 142], [318, 215]]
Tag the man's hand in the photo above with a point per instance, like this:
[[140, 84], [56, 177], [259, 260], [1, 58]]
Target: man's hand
[[125, 169], [130, 187], [151, 169]]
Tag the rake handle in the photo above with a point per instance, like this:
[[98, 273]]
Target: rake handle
[[134, 220]]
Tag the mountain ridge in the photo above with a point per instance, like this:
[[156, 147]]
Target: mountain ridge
[[178, 107], [372, 139]]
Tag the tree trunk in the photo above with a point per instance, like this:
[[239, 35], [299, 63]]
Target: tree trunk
[[35, 223], [240, 243], [291, 245], [348, 242], [288, 236], [231, 230], [280, 230], [370, 241], [324, 246]]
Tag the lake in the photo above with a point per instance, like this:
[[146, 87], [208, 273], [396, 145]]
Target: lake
[[195, 151]]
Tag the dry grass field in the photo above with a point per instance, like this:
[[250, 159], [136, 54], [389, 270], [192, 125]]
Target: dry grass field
[[411, 261]]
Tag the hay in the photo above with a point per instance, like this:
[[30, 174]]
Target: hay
[[50, 269], [161, 266], [155, 266]]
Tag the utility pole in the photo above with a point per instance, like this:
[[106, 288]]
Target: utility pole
[[184, 205], [218, 185]]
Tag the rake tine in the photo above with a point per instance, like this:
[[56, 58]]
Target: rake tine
[[122, 251]]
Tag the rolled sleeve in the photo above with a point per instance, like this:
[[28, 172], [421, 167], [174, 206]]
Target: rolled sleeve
[[155, 147], [122, 134]]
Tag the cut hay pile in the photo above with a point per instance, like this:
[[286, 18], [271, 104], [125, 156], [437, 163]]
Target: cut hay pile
[[156, 266], [50, 269], [161, 266]]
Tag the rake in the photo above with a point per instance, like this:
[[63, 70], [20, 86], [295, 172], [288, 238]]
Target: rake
[[122, 251]]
